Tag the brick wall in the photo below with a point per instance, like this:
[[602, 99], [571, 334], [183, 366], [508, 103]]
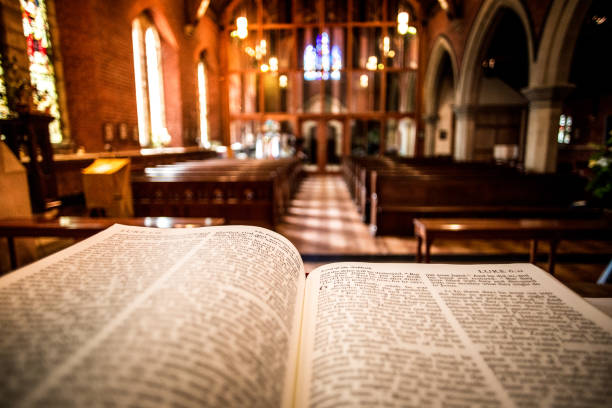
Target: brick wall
[[96, 44]]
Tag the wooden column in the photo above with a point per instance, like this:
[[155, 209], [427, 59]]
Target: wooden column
[[321, 145]]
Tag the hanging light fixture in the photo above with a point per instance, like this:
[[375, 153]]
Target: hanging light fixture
[[372, 63], [386, 45], [273, 62], [402, 22], [283, 81], [363, 81], [242, 31]]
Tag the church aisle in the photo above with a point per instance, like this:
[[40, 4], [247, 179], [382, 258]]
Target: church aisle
[[324, 225], [322, 219]]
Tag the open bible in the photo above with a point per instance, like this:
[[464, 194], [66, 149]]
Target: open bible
[[223, 316]]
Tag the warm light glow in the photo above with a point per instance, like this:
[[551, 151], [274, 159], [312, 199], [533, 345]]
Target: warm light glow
[[443, 4], [381, 66], [273, 62], [372, 63], [242, 31], [363, 81], [386, 45], [264, 68], [154, 79], [202, 100], [202, 9], [106, 166], [391, 54], [412, 30], [4, 110], [599, 20], [261, 49], [283, 81], [140, 85], [163, 222], [103, 168], [402, 23]]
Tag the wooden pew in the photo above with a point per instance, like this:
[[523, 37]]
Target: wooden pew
[[288, 172], [416, 167], [398, 198], [551, 230], [356, 171], [253, 192], [240, 199], [83, 227]]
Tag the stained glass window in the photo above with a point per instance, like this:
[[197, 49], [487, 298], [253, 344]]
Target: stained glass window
[[42, 74], [323, 62], [565, 129]]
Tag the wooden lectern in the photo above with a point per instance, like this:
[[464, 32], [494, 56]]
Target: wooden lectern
[[106, 183]]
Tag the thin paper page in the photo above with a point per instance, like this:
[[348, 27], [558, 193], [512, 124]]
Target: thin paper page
[[420, 335], [153, 317]]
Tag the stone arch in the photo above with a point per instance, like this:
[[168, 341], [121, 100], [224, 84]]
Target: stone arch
[[556, 48], [441, 50], [477, 41], [441, 47], [468, 83], [548, 82]]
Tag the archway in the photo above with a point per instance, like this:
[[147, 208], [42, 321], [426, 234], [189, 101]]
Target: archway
[[439, 95], [490, 110], [586, 116], [566, 81]]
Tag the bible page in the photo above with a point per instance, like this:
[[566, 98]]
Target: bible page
[[416, 335], [154, 317]]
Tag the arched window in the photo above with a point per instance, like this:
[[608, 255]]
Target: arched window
[[42, 73], [149, 84], [202, 98], [4, 111]]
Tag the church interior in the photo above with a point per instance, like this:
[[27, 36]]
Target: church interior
[[348, 126]]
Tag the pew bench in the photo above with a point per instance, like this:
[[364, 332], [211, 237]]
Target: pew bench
[[397, 199], [83, 227], [249, 199], [551, 230], [252, 192]]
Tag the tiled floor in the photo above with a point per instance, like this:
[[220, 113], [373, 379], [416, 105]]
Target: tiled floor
[[323, 223]]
